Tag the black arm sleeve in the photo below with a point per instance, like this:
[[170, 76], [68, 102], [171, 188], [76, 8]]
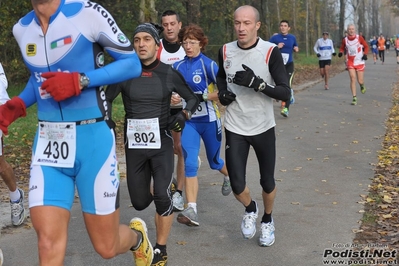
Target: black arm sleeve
[[221, 75], [111, 93], [185, 91], [281, 90]]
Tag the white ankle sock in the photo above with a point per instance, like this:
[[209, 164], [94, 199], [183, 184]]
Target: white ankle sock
[[15, 195], [193, 205]]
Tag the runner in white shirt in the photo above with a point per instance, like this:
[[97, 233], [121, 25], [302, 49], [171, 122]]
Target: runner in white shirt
[[250, 76], [324, 49], [6, 171]]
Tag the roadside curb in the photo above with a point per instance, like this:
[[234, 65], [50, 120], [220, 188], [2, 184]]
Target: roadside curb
[[304, 86]]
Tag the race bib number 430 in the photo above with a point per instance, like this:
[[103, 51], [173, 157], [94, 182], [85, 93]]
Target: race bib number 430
[[56, 144]]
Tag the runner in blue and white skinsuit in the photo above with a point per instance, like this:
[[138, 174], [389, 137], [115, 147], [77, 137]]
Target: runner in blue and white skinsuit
[[74, 144]]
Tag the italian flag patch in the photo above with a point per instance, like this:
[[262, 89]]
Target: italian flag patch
[[61, 42]]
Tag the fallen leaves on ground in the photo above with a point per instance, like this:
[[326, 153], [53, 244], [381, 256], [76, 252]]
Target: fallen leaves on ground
[[380, 222]]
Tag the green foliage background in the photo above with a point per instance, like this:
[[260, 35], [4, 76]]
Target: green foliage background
[[215, 17]]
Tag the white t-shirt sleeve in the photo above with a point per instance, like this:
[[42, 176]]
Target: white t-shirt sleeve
[[3, 79], [316, 47]]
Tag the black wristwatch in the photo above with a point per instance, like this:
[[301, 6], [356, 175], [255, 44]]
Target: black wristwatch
[[262, 86], [84, 81]]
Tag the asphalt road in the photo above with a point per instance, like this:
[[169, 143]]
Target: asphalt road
[[326, 152]]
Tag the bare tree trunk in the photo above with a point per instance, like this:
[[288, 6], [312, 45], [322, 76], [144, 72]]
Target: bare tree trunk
[[278, 11], [294, 12], [153, 12], [355, 5], [193, 11], [147, 12], [307, 28], [361, 17], [385, 18], [376, 24], [341, 17], [265, 10], [229, 31], [320, 26], [369, 19], [142, 11]]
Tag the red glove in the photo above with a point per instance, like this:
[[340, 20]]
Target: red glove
[[10, 111], [61, 85]]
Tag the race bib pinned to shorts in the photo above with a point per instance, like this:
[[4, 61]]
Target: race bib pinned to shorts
[[56, 144]]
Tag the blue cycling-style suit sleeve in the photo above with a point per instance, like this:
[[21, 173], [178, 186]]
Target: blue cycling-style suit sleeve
[[75, 41]]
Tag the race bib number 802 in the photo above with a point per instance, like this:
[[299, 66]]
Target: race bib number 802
[[143, 133]]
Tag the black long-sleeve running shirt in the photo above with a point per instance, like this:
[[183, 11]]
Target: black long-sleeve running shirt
[[148, 96]]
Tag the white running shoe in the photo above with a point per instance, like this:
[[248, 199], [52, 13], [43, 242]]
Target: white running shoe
[[266, 238], [18, 210], [178, 202], [1, 257], [248, 224], [188, 217]]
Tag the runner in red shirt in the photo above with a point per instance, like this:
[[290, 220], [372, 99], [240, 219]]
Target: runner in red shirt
[[356, 53]]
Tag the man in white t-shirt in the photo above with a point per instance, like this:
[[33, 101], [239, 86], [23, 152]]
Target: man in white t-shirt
[[324, 49], [6, 171]]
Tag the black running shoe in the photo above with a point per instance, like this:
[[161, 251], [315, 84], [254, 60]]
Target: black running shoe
[[160, 258]]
